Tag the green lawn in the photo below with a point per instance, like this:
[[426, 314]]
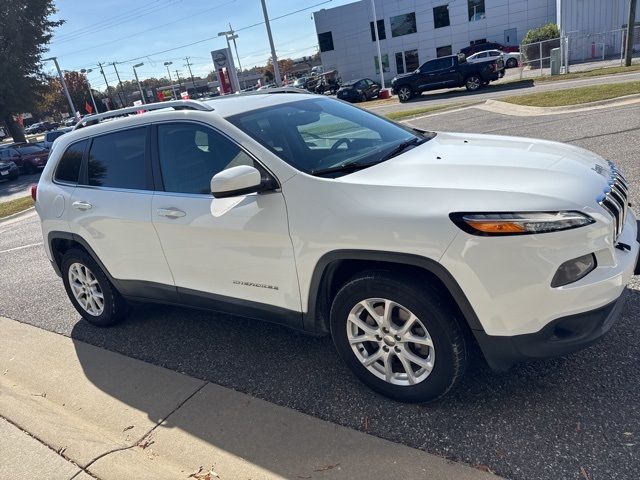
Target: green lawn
[[15, 206], [598, 72], [575, 96]]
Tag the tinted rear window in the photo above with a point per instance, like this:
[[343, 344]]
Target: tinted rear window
[[69, 167], [118, 160]]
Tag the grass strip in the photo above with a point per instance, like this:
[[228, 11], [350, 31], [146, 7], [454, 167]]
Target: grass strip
[[575, 96], [15, 206]]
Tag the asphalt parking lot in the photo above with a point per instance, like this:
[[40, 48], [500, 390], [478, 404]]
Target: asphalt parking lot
[[569, 418]]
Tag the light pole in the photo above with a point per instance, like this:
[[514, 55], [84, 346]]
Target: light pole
[[173, 90], [375, 28], [274, 57], [628, 54], [93, 100], [64, 85], [138, 81]]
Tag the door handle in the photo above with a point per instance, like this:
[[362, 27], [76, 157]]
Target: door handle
[[171, 212], [81, 205]]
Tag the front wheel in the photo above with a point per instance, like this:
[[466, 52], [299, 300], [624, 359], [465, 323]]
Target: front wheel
[[512, 63], [90, 291], [405, 93], [473, 83], [398, 337]]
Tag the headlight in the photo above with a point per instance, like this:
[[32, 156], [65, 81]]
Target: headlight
[[526, 223]]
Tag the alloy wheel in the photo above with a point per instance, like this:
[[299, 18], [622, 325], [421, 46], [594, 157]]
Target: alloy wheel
[[404, 94], [86, 289], [390, 341]]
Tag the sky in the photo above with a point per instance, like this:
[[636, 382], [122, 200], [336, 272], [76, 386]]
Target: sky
[[134, 31]]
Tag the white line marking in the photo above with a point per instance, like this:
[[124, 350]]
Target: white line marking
[[21, 248]]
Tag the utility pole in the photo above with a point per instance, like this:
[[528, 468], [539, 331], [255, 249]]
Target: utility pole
[[173, 89], [95, 107], [375, 28], [188, 65], [179, 81], [235, 45], [631, 23], [107, 84], [64, 85], [274, 57], [126, 100]]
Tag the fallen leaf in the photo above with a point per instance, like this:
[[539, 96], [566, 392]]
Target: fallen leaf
[[484, 468], [146, 444], [325, 468], [199, 475], [127, 428], [584, 474], [627, 434]]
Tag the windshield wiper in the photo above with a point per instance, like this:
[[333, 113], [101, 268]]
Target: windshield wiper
[[354, 165]]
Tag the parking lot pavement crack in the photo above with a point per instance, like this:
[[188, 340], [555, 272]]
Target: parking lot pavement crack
[[146, 437], [59, 452]]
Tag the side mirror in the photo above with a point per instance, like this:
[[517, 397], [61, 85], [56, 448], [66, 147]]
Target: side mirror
[[240, 180]]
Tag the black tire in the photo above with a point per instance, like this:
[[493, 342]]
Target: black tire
[[405, 93], [512, 63], [439, 318], [363, 97], [473, 83], [115, 307]]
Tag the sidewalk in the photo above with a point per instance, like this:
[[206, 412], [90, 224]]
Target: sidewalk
[[89, 410]]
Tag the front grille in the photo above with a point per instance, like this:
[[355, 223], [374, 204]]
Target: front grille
[[615, 200]]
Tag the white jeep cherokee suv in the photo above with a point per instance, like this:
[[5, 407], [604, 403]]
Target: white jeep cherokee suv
[[406, 246]]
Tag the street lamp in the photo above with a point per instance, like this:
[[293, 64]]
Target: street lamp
[[64, 84], [85, 71], [139, 86], [173, 90]]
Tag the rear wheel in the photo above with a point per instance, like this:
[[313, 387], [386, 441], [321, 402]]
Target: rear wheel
[[90, 291], [512, 63], [363, 97], [473, 83], [398, 337], [405, 93]]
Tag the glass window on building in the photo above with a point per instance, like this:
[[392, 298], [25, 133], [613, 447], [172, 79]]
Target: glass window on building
[[443, 51], [325, 40], [385, 63], [441, 16], [381, 32], [399, 63], [403, 24], [476, 10], [411, 60]]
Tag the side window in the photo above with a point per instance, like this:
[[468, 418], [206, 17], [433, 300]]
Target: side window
[[428, 66], [118, 160], [69, 166], [494, 54], [191, 154]]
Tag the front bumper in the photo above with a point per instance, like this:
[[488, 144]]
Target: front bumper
[[560, 337]]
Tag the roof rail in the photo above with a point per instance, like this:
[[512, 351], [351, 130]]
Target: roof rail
[[122, 112]]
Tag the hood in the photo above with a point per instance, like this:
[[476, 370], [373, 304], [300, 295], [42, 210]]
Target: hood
[[402, 75], [487, 164]]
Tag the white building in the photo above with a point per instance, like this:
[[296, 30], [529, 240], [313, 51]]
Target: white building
[[414, 31]]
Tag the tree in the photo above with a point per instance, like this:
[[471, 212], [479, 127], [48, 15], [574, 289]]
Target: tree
[[546, 32], [25, 31]]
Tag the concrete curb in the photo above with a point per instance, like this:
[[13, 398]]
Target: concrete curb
[[120, 418], [497, 106]]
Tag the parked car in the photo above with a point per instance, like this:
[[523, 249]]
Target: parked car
[[407, 247], [481, 47], [511, 60], [69, 122], [8, 170], [41, 127], [447, 72], [50, 136], [28, 157], [359, 90], [300, 82]]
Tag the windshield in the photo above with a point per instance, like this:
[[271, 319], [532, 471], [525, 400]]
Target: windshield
[[314, 135], [30, 149]]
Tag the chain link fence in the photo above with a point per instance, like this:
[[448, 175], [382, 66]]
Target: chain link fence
[[577, 52]]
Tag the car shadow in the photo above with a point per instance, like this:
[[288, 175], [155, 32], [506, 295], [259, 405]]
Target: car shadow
[[293, 370], [457, 92]]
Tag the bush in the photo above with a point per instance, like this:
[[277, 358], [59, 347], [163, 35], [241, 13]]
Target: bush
[[546, 32]]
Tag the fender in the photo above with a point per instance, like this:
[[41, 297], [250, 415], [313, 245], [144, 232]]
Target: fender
[[315, 322]]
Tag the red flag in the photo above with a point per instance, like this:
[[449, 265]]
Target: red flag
[[88, 108]]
